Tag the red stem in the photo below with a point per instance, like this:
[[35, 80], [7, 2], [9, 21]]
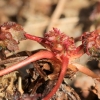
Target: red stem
[[32, 37], [37, 56], [60, 79]]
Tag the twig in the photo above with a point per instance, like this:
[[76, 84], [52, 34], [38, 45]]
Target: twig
[[38, 83], [11, 60], [20, 85], [40, 71], [56, 14]]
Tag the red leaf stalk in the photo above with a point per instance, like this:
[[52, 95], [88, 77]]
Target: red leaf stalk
[[44, 42], [65, 62], [35, 38], [37, 56]]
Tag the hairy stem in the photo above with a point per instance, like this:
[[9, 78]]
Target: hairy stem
[[60, 79], [36, 56]]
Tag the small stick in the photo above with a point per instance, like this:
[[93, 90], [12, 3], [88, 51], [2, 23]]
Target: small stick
[[56, 14], [20, 85], [11, 60], [40, 71]]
